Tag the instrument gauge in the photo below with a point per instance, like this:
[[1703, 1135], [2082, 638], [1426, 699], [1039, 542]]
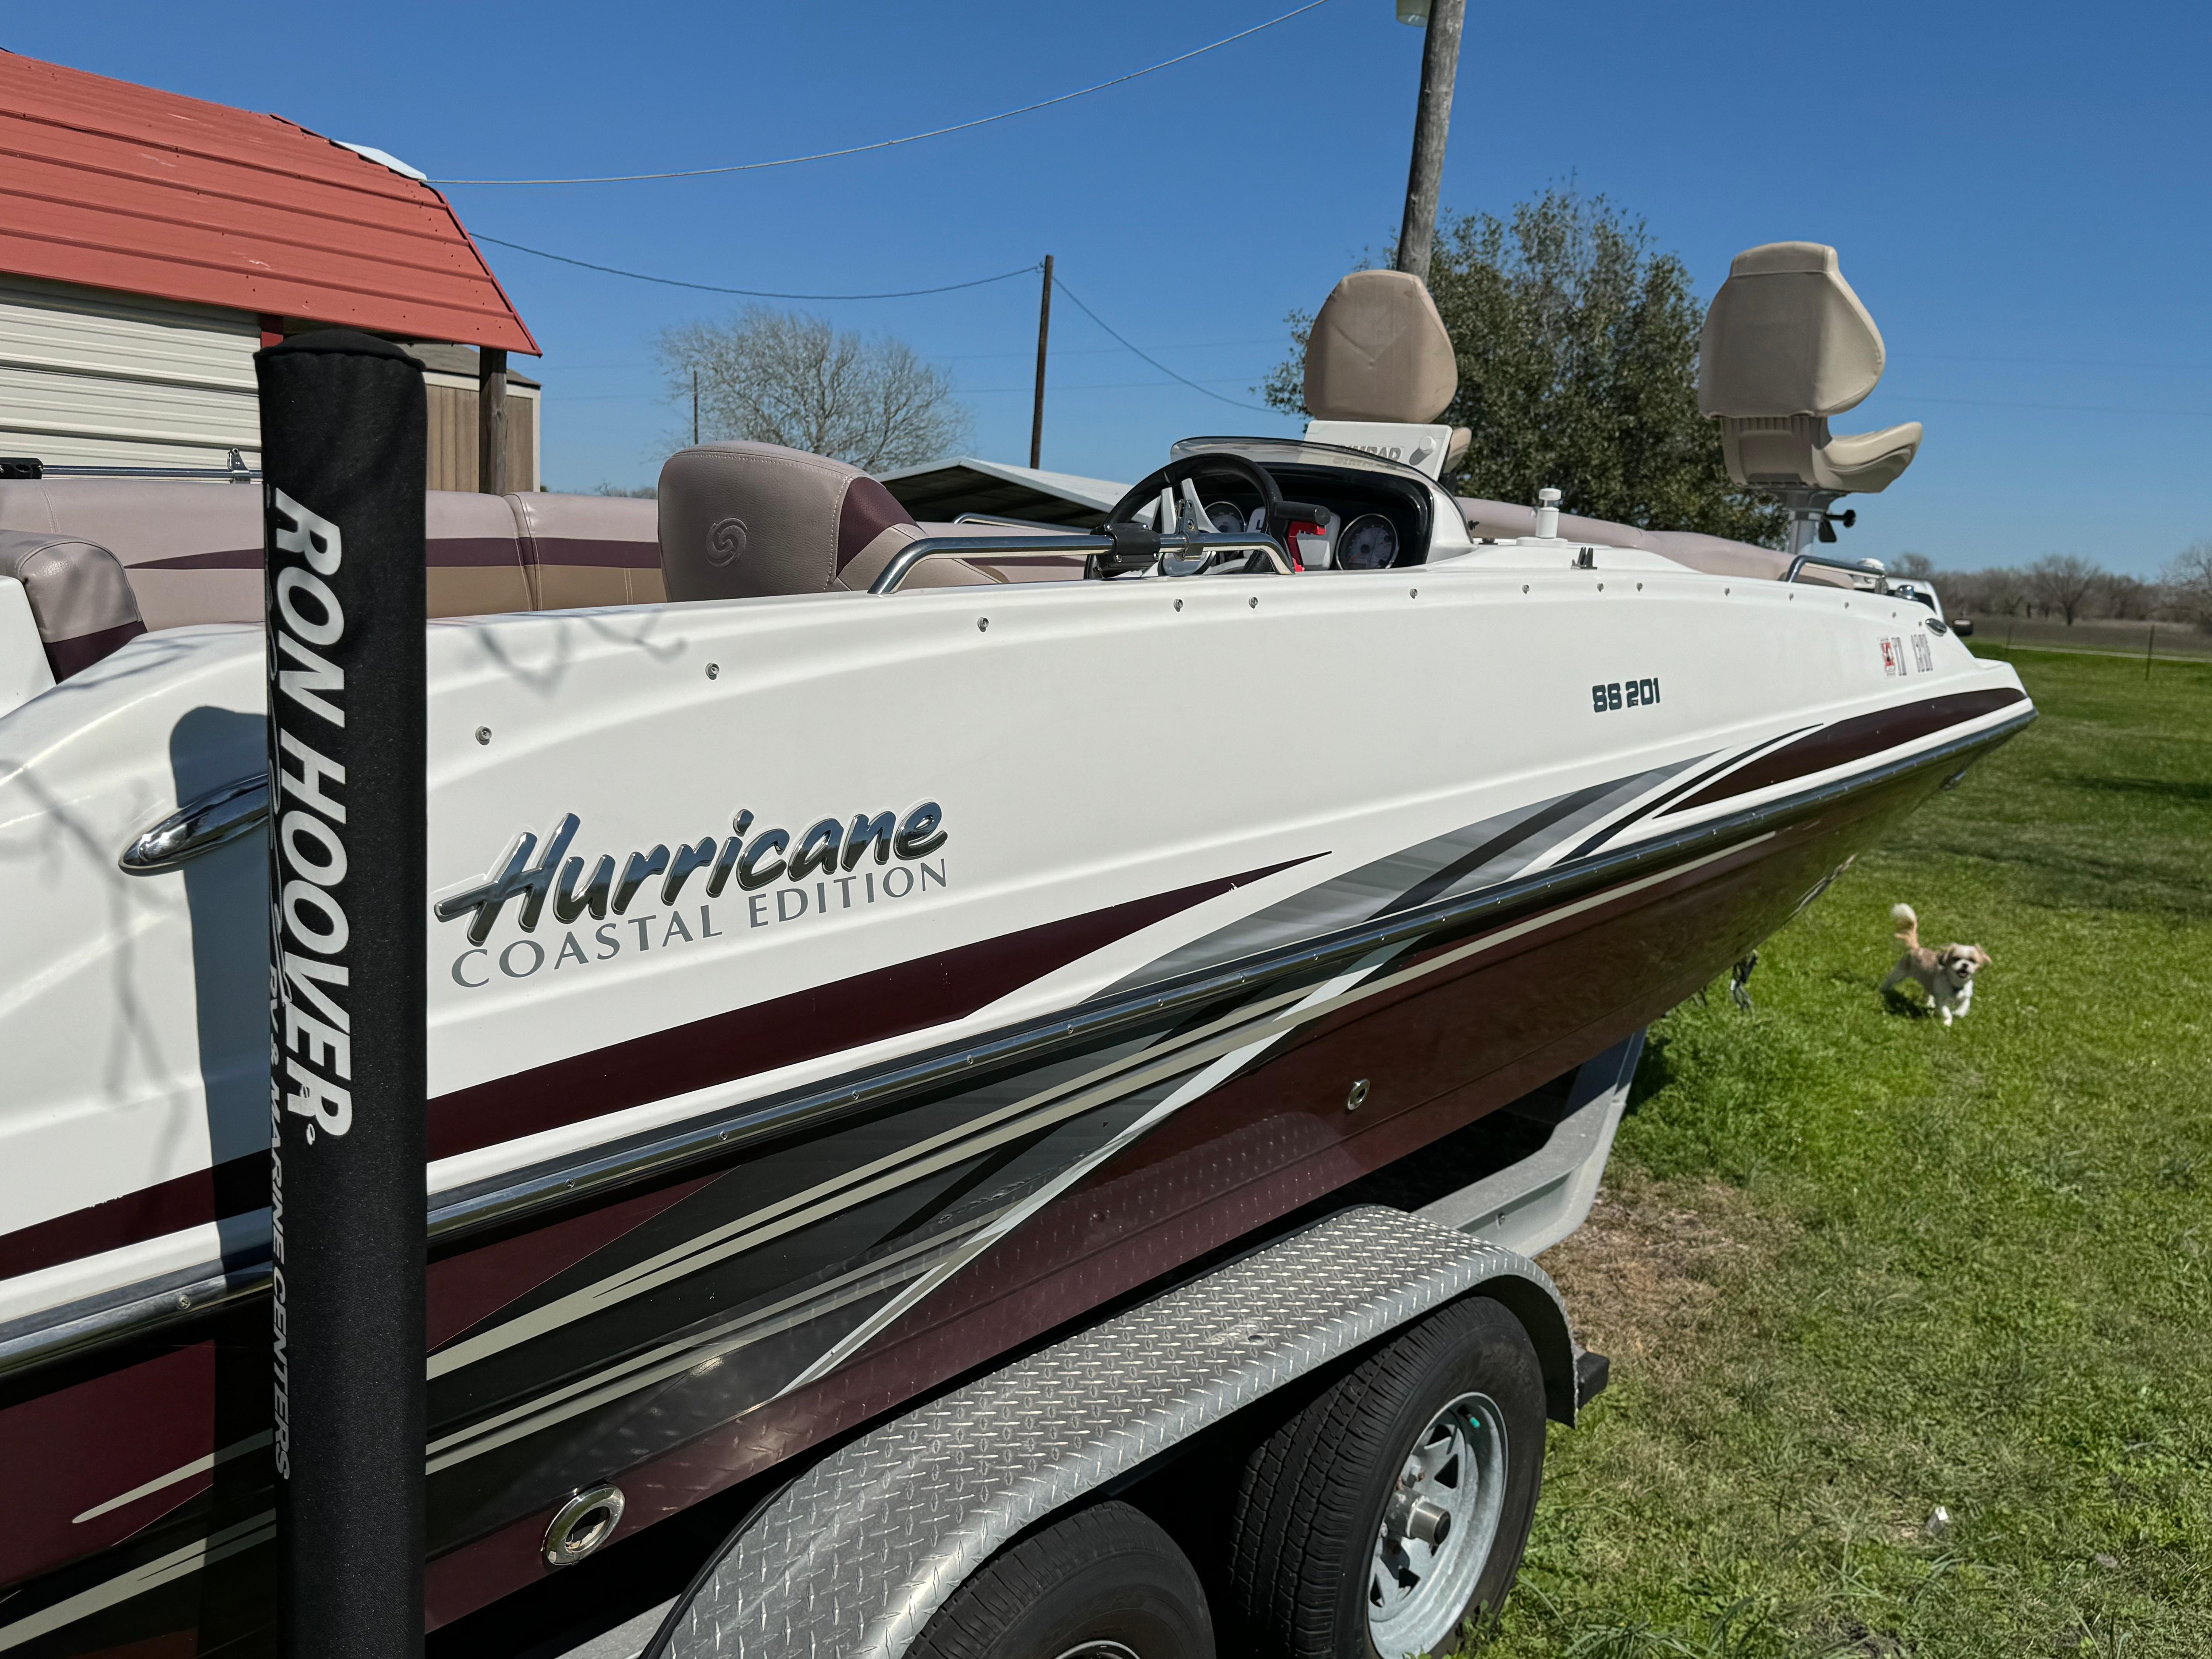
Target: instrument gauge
[[1228, 518], [1370, 542]]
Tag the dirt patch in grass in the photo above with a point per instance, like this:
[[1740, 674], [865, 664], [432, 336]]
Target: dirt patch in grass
[[1647, 1268]]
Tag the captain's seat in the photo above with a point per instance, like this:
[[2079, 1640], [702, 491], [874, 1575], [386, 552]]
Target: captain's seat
[[1378, 351], [745, 520], [1786, 345]]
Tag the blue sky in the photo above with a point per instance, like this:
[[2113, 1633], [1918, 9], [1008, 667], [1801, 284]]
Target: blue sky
[[2018, 193]]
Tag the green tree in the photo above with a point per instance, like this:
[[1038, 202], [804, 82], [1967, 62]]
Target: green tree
[[1578, 347]]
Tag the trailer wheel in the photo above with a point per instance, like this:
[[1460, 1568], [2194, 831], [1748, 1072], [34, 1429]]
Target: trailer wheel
[[1394, 1506], [1104, 1583]]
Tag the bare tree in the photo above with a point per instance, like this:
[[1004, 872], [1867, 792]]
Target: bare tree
[[2188, 581], [2063, 582], [2127, 599], [1913, 565], [2002, 593], [782, 377]]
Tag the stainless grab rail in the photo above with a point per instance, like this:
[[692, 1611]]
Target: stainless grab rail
[[1827, 562], [1914, 588], [234, 469], [1202, 549], [200, 825]]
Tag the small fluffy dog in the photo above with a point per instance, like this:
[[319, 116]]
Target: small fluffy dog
[[1948, 974]]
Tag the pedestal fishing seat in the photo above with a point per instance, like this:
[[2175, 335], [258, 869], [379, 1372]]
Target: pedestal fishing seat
[[1786, 345]]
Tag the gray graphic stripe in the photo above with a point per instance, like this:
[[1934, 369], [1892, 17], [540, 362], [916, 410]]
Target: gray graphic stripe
[[1357, 984], [1728, 764], [1462, 861]]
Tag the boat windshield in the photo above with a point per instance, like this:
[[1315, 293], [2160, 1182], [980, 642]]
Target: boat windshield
[[1296, 452]]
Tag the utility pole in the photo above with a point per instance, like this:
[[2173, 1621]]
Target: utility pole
[[1044, 331], [695, 408], [1431, 124], [491, 421]]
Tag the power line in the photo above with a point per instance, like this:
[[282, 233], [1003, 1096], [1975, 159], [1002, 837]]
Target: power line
[[912, 137], [751, 293], [2062, 409], [2060, 362], [902, 293], [1232, 402]]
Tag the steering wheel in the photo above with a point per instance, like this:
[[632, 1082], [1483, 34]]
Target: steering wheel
[[1212, 461]]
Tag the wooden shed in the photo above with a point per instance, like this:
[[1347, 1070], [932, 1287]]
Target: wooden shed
[[151, 244], [451, 376]]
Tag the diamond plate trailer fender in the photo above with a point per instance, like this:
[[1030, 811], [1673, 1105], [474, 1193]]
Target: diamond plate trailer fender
[[855, 1555]]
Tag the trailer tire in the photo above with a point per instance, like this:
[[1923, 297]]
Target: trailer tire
[[1105, 1581], [1324, 1501]]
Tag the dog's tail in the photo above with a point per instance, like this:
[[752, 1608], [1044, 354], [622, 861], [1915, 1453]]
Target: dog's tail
[[1908, 925]]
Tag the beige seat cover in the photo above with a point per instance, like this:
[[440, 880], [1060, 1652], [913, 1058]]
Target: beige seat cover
[[191, 550], [1378, 351], [1866, 461], [1787, 345], [79, 598], [745, 520]]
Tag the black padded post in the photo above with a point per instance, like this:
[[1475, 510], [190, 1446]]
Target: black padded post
[[342, 435]]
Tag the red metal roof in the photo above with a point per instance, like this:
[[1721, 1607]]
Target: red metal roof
[[120, 186]]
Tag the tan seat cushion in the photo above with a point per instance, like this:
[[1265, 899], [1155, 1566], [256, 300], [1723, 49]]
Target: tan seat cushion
[[79, 598], [191, 551], [475, 558], [586, 550], [1378, 351], [745, 520], [1866, 461], [1786, 336]]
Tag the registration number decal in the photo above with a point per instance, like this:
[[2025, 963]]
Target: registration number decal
[[1623, 694]]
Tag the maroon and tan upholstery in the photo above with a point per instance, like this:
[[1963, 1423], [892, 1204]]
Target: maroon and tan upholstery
[[745, 520], [79, 595], [191, 551], [588, 550], [473, 555]]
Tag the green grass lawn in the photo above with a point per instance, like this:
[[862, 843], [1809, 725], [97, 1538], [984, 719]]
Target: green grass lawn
[[1852, 1266]]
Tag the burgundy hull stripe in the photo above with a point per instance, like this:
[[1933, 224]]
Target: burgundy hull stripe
[[1850, 740], [465, 1290], [866, 1008], [827, 1019], [1653, 808]]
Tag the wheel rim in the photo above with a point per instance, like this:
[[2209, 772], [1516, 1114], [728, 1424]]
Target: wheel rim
[[1437, 1528]]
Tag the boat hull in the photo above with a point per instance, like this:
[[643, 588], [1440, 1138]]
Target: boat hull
[[703, 1204]]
